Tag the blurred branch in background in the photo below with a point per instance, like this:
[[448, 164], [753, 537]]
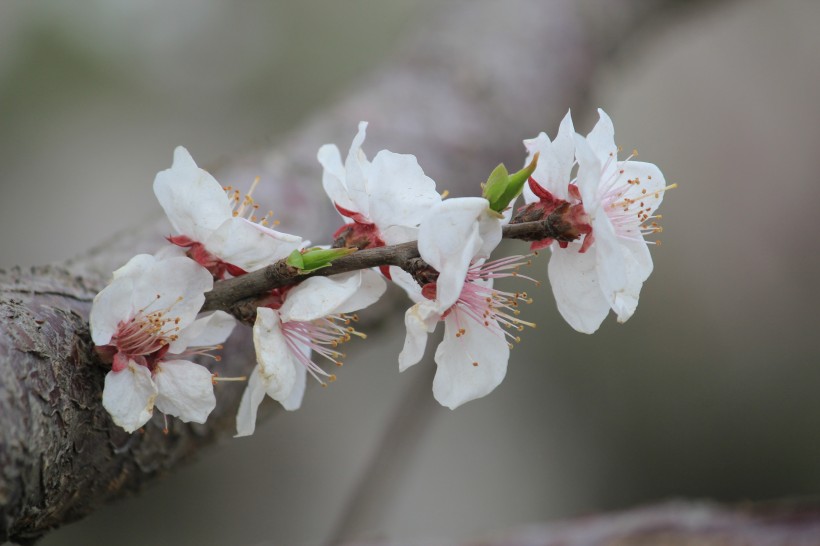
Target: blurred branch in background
[[667, 524]]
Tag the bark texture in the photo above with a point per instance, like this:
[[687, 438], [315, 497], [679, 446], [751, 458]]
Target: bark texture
[[461, 95]]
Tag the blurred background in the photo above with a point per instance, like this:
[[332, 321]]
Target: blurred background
[[710, 391]]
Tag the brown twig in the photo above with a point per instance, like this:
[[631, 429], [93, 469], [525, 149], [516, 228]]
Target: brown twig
[[238, 295]]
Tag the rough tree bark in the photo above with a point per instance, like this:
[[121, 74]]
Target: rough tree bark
[[461, 96]]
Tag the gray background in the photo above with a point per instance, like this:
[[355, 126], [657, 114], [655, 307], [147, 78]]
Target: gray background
[[710, 391]]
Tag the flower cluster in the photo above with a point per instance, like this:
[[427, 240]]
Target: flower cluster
[[591, 209]]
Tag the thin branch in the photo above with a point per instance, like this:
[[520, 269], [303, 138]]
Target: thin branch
[[237, 296]]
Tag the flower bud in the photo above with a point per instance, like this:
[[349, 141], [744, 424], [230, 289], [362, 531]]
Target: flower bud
[[502, 188]]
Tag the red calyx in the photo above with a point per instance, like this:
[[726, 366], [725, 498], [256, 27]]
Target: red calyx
[[196, 251]]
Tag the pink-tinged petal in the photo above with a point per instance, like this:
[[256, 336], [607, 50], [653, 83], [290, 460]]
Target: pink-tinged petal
[[129, 395], [420, 320], [276, 363], [471, 365], [333, 177], [589, 173], [449, 239], [111, 305], [175, 284], [318, 297], [400, 193], [574, 281], [249, 405], [647, 184], [250, 246], [195, 203], [207, 331], [371, 287], [185, 389]]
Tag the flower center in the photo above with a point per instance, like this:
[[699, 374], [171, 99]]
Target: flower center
[[495, 309], [630, 207], [321, 336], [147, 331]]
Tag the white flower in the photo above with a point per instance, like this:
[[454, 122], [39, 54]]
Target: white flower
[[310, 317], [219, 228], [472, 358], [145, 321], [383, 202], [608, 269]]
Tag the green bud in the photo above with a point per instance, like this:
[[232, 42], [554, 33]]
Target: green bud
[[501, 187], [316, 258]]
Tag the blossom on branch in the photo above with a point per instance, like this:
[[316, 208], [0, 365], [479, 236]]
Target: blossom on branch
[[619, 198], [219, 228], [293, 323], [144, 324], [383, 201], [472, 359]]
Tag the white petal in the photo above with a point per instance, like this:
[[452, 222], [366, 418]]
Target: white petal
[[318, 297], [400, 193], [564, 149], [407, 283], [396, 235], [555, 160], [357, 172], [129, 396], [420, 320], [170, 251], [249, 245], [186, 390], [489, 230], [458, 378], [136, 266], [574, 281], [175, 284], [602, 138], [333, 177], [646, 177], [638, 263], [248, 406], [194, 201], [449, 239], [294, 401], [204, 332], [610, 266], [111, 305], [589, 174], [276, 363], [643, 259], [371, 287]]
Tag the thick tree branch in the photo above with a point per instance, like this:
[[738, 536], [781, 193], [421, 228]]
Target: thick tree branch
[[461, 96]]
